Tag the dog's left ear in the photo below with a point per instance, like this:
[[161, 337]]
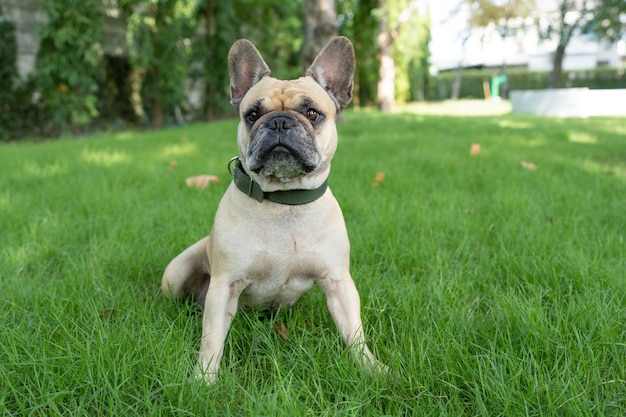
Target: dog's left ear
[[333, 69], [246, 67]]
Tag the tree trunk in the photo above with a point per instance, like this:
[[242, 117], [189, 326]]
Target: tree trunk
[[319, 27], [456, 84], [557, 68], [387, 72], [385, 90], [387, 69], [566, 31], [366, 71], [458, 76], [209, 21], [157, 113], [421, 90]]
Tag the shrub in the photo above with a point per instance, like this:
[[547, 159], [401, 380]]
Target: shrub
[[440, 86], [19, 116], [68, 63]]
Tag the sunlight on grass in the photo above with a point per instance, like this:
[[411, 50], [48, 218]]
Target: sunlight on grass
[[125, 136], [616, 126], [594, 167], [178, 150], [5, 201], [459, 108], [515, 124], [20, 255], [105, 158], [44, 170], [582, 137], [536, 142]]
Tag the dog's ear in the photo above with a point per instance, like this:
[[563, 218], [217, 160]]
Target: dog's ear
[[333, 69], [246, 67]]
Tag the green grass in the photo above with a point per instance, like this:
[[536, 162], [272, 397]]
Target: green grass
[[489, 289]]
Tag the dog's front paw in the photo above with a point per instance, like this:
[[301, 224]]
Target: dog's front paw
[[374, 367], [205, 375]]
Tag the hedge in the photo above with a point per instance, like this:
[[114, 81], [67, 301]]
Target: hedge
[[440, 86]]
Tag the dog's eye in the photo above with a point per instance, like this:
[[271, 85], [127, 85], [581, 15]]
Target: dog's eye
[[253, 116], [312, 115]]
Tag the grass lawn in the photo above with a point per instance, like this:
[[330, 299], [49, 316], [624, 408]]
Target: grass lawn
[[492, 284]]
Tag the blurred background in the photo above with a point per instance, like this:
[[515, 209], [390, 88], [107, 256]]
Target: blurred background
[[73, 67]]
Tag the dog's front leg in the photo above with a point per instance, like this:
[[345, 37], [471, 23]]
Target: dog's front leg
[[344, 305], [220, 307]]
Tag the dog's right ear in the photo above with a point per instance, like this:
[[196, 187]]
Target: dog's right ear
[[246, 67]]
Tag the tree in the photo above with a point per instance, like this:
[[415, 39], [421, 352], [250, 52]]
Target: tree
[[319, 26], [157, 30], [68, 61], [458, 74], [215, 29], [483, 13], [608, 21], [358, 21], [499, 13], [570, 17], [8, 55], [390, 22], [8, 76], [275, 26], [410, 55], [598, 18]]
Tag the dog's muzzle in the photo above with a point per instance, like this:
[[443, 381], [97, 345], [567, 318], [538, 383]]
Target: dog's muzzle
[[282, 147]]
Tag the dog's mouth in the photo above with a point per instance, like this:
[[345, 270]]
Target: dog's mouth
[[283, 154], [282, 162], [278, 150]]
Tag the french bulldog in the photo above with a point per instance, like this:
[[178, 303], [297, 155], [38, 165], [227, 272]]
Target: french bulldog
[[278, 229]]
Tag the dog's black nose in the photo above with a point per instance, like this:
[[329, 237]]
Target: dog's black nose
[[280, 123]]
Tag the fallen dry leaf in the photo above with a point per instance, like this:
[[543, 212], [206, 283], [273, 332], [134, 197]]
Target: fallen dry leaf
[[281, 329], [378, 178], [475, 149], [201, 181], [529, 166]]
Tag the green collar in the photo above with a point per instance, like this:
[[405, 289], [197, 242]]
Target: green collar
[[252, 189]]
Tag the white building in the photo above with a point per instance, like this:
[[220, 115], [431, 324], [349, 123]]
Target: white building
[[519, 46]]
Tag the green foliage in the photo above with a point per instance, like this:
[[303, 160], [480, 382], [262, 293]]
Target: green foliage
[[68, 62], [174, 41], [157, 33], [411, 54], [8, 56], [359, 23], [440, 86], [608, 21], [215, 24], [19, 116], [8, 77], [484, 12], [275, 27]]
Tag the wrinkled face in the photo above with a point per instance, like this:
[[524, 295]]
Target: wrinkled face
[[287, 129]]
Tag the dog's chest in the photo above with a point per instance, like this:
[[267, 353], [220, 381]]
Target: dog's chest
[[278, 279], [275, 253]]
